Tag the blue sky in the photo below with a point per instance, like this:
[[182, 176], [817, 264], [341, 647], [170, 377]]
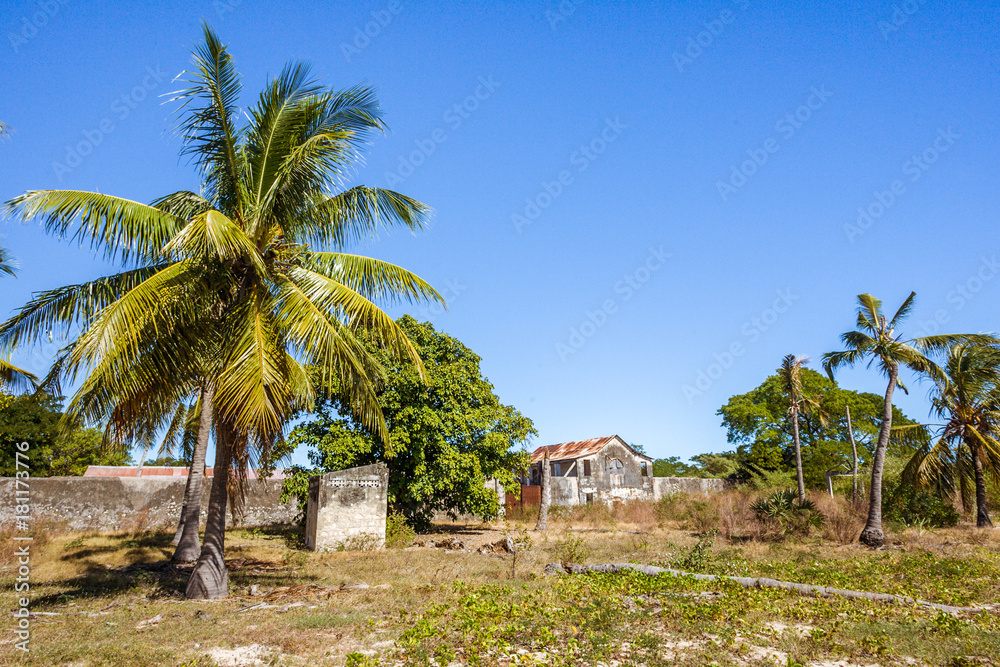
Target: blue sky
[[639, 208]]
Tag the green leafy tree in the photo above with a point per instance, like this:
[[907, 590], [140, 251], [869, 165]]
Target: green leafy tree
[[446, 436], [168, 461], [876, 340], [966, 449], [672, 466], [720, 465], [55, 448], [230, 298], [759, 424]]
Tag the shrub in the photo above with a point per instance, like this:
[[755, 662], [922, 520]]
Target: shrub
[[572, 550], [398, 533], [699, 556], [701, 516], [782, 512], [910, 506]]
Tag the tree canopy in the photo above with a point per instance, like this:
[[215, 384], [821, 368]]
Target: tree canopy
[[447, 436], [758, 423], [55, 449]]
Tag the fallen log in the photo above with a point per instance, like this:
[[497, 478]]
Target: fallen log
[[760, 582]]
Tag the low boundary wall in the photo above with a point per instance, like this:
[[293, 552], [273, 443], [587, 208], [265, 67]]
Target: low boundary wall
[[134, 503]]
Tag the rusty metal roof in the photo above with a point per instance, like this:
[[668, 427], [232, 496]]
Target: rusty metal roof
[[575, 450]]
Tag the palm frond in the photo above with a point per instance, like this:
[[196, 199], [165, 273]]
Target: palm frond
[[372, 278], [123, 230], [209, 127], [14, 379], [903, 311], [72, 305]]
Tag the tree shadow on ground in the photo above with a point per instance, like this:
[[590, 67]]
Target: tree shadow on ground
[[456, 529]]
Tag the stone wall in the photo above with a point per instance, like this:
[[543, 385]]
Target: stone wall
[[134, 503], [664, 486], [347, 509], [577, 490], [564, 491]]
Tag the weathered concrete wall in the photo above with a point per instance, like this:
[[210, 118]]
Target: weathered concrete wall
[[607, 485], [130, 503], [347, 509], [664, 486], [565, 491]]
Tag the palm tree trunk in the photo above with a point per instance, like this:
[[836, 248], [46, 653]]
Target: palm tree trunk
[[854, 454], [872, 535], [210, 578], [186, 537], [543, 506], [982, 512], [798, 453]]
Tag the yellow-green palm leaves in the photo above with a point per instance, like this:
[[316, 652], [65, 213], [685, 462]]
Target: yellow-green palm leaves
[[234, 263]]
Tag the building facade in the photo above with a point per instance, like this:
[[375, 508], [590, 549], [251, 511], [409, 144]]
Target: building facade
[[600, 469]]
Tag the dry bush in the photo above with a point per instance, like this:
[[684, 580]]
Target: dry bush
[[697, 513], [594, 515], [736, 521], [844, 520], [640, 513]]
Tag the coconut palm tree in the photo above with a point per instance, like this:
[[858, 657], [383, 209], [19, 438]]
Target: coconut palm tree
[[236, 262], [967, 447], [877, 341], [791, 380]]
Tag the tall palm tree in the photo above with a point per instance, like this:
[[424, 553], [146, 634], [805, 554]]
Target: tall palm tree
[[791, 380], [967, 448], [877, 341], [236, 261]]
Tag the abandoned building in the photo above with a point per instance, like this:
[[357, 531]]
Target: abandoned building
[[601, 470]]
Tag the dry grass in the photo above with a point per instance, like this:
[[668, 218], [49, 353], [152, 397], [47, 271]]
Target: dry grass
[[101, 586]]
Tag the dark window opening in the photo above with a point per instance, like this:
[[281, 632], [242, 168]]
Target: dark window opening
[[586, 468]]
